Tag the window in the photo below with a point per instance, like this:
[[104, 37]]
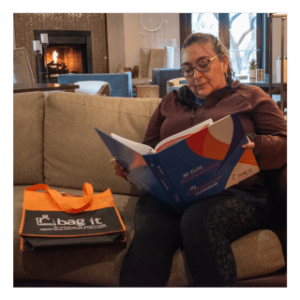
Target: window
[[206, 23], [241, 33]]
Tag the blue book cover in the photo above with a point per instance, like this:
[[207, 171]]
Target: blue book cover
[[199, 165]]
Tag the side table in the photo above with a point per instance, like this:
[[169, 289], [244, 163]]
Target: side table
[[42, 87]]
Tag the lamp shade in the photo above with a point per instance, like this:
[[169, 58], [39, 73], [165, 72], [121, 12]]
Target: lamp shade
[[37, 46], [44, 38]]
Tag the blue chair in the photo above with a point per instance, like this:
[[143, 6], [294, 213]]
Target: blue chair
[[120, 83], [160, 77]]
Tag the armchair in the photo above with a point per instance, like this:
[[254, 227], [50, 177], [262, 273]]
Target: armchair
[[175, 84], [160, 77], [120, 84]]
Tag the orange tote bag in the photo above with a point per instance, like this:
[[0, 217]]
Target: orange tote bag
[[50, 219]]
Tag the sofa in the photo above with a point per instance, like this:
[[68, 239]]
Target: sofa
[[120, 83], [55, 143]]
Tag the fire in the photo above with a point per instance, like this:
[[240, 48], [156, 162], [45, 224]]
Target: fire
[[54, 56]]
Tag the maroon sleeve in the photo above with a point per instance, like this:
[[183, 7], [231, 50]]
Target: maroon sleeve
[[271, 132]]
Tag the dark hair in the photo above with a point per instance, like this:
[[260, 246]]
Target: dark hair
[[218, 47]]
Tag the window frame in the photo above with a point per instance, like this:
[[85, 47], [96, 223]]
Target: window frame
[[261, 34]]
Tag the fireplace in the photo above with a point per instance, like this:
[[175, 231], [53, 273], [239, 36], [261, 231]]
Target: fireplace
[[68, 51]]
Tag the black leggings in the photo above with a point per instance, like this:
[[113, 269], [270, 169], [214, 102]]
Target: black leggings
[[204, 231]]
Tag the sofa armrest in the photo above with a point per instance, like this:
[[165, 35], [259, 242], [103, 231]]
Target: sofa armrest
[[276, 181], [277, 185]]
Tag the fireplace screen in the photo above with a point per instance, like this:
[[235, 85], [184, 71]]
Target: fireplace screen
[[63, 59]]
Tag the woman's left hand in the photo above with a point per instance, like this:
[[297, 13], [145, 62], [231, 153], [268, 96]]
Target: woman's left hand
[[249, 145]]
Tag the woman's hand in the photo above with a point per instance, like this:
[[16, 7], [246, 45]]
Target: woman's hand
[[118, 169], [249, 145]]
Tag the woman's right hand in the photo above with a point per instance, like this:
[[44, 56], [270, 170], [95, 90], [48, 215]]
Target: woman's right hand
[[118, 169]]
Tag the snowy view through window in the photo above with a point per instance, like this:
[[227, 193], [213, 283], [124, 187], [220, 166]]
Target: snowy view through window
[[242, 31]]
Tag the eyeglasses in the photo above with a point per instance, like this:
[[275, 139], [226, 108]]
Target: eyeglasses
[[202, 66]]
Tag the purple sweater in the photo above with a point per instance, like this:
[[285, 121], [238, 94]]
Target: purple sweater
[[258, 112]]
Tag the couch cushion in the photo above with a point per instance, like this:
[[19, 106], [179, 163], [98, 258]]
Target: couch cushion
[[74, 153], [28, 137], [257, 253]]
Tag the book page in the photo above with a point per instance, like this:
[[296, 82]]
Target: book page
[[173, 139], [138, 147]]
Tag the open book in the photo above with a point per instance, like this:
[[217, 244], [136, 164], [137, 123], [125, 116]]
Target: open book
[[167, 142], [193, 164]]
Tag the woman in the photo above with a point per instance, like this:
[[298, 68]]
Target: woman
[[207, 227]]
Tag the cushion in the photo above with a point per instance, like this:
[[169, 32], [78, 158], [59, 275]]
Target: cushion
[[144, 62], [91, 87], [158, 60], [74, 152], [141, 81], [177, 81], [120, 69], [257, 253], [28, 137]]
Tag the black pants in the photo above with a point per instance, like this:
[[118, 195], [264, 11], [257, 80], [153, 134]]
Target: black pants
[[204, 231]]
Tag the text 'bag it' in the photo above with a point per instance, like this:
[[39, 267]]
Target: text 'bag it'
[[52, 220]]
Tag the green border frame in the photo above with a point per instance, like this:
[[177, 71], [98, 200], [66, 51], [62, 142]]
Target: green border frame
[[153, 6]]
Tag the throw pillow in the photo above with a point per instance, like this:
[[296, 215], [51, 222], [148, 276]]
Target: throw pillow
[[144, 62], [120, 69], [158, 60]]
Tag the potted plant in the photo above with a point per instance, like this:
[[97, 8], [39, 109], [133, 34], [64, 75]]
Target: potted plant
[[252, 69]]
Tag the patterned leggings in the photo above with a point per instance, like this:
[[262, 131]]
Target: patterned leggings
[[204, 231]]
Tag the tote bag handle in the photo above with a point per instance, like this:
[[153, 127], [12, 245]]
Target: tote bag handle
[[73, 205]]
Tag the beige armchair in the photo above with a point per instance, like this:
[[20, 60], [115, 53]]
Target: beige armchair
[[22, 68], [153, 59]]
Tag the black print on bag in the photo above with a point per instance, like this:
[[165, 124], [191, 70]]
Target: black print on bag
[[55, 223]]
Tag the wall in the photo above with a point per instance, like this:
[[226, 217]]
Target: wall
[[136, 36], [115, 41], [276, 42], [126, 28], [14, 43]]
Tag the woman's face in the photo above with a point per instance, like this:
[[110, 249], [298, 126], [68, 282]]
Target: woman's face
[[203, 84]]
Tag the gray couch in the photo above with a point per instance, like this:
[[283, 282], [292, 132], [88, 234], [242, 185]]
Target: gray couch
[[55, 143]]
